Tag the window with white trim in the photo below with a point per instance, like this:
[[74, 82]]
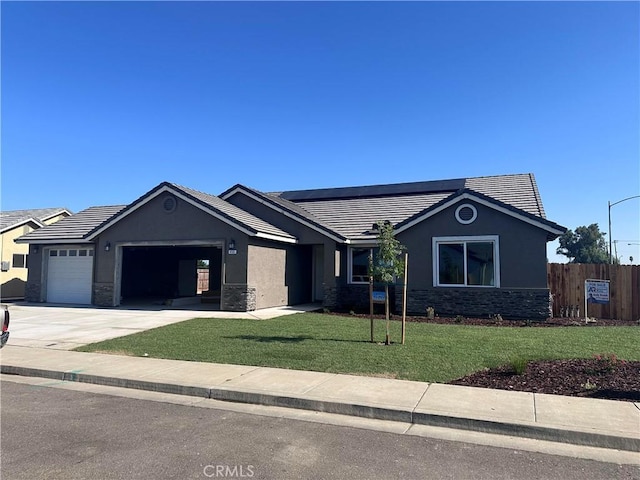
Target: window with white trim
[[466, 261], [19, 260], [359, 263]]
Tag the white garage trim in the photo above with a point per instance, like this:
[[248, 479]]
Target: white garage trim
[[69, 275]]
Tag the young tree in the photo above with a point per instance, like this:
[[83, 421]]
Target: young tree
[[388, 263], [585, 245]]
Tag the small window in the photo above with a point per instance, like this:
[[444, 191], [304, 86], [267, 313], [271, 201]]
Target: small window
[[53, 253], [82, 253], [90, 253], [19, 260], [466, 261], [359, 263], [62, 253], [73, 253]]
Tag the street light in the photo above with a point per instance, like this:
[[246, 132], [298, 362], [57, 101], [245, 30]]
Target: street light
[[611, 205]]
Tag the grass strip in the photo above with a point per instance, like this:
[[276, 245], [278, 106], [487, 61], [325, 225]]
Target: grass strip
[[328, 343]]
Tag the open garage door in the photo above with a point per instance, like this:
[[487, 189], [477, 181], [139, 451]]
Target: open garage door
[[157, 274], [70, 275]]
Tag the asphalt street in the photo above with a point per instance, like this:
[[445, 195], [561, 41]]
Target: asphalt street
[[59, 433]]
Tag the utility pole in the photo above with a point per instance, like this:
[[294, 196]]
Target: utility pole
[[611, 205]]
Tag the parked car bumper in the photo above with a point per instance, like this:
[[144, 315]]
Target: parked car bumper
[[5, 325]]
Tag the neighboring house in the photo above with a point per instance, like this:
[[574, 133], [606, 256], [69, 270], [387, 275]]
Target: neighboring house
[[477, 246], [13, 257]]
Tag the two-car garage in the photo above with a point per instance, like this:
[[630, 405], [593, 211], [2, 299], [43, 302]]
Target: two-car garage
[[172, 246], [146, 272]]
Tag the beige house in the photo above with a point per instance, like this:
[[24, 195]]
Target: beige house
[[14, 256]]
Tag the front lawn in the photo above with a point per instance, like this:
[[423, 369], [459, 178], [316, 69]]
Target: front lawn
[[328, 343]]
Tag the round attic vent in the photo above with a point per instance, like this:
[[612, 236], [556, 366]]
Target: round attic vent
[[169, 203], [466, 214]]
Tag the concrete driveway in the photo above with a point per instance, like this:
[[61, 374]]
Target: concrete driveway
[[65, 327]]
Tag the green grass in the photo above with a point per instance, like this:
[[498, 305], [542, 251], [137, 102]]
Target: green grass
[[327, 343]]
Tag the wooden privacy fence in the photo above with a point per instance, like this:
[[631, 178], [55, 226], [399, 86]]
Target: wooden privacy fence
[[203, 280], [566, 283]]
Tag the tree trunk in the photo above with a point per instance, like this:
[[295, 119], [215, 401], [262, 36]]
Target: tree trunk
[[371, 305]]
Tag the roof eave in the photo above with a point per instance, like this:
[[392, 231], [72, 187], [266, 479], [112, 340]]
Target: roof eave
[[59, 212], [23, 222], [47, 241], [185, 196], [553, 229], [265, 200]]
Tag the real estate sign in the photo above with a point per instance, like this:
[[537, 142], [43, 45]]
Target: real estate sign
[[596, 291], [378, 297]]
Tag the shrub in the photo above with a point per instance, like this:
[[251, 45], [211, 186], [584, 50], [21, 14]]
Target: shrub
[[607, 362], [519, 365]]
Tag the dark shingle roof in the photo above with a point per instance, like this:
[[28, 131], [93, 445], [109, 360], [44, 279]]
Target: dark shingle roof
[[233, 213], [353, 217], [73, 228], [281, 204], [520, 191], [345, 213], [552, 227], [13, 218], [88, 223], [351, 211]]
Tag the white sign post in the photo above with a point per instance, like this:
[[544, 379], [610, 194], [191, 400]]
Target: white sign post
[[595, 291]]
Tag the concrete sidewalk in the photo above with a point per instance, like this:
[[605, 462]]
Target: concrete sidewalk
[[579, 421]]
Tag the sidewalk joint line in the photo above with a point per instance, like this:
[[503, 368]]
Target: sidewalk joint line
[[332, 376]]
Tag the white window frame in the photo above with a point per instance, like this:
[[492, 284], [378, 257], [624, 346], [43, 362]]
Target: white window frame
[[23, 262], [350, 263], [494, 239]]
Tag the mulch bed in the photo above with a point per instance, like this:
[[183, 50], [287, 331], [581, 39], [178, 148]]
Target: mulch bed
[[594, 378], [599, 377], [501, 322]]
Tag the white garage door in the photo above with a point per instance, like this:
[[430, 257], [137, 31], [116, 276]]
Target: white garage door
[[70, 275]]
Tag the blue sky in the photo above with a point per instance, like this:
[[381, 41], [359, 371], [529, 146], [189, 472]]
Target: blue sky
[[101, 101]]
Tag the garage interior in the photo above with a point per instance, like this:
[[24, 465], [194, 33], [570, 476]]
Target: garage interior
[[165, 274]]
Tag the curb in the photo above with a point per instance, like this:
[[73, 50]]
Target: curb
[[356, 410]]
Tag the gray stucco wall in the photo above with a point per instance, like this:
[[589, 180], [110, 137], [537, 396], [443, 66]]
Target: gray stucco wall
[[151, 223], [304, 234], [266, 272], [281, 274], [326, 279], [523, 255], [523, 289]]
